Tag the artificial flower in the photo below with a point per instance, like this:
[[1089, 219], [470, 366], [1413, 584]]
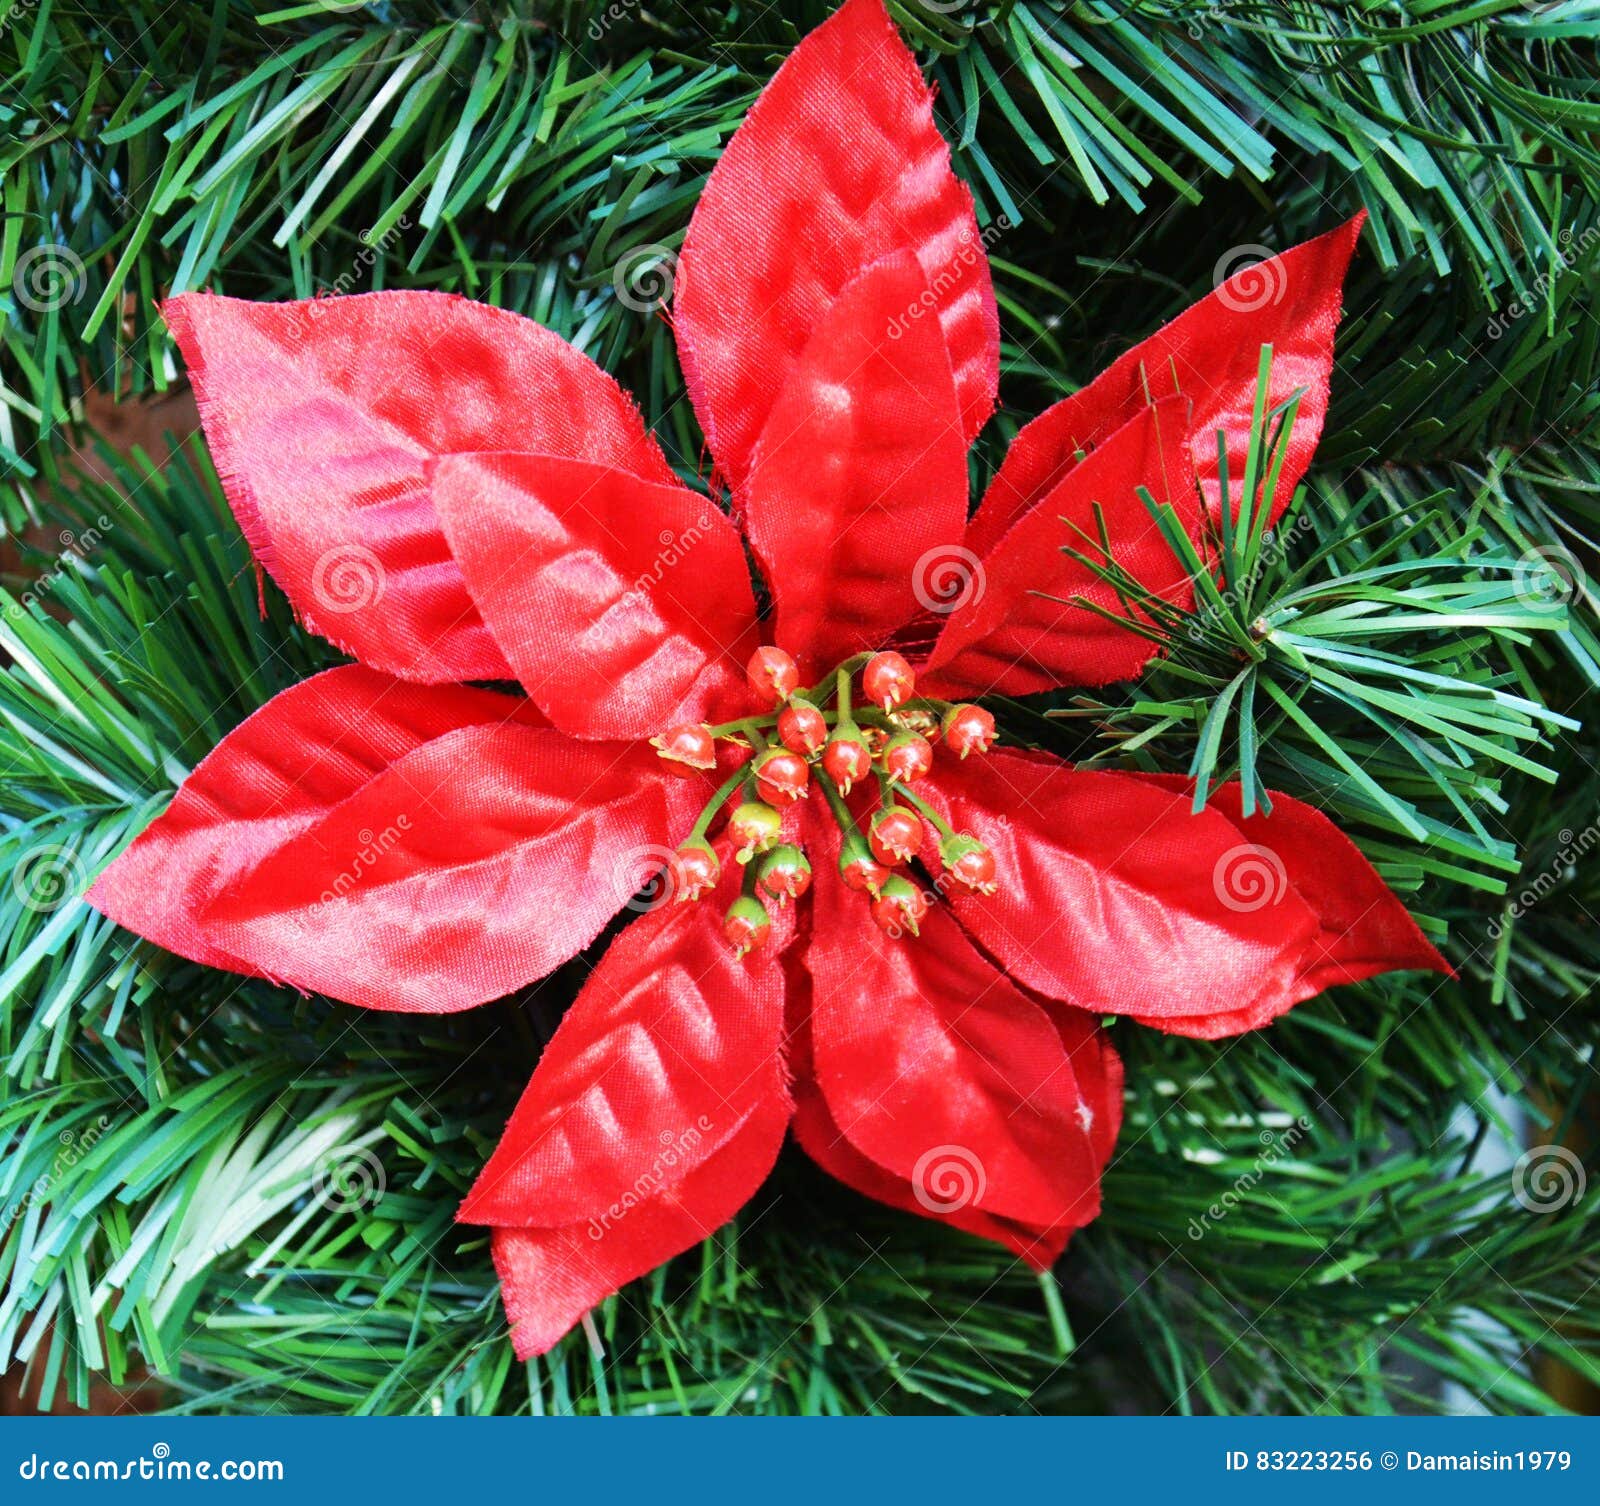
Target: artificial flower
[[875, 926]]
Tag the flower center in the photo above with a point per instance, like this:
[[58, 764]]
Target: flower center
[[825, 736]]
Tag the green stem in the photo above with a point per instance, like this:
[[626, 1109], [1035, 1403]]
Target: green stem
[[841, 691], [841, 811], [929, 813], [727, 729], [724, 793], [747, 885]]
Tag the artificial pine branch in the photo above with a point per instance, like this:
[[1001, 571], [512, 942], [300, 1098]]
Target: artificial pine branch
[[522, 154]]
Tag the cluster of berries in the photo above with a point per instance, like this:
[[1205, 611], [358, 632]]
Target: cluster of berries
[[820, 730]]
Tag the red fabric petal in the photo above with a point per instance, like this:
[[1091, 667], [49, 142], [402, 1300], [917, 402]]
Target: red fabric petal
[[838, 164], [669, 1048], [861, 466], [321, 416], [935, 1067], [1098, 1074], [1098, 1069], [270, 779], [1362, 927], [460, 871], [551, 1277], [1014, 631], [1210, 353], [1116, 899], [624, 605]]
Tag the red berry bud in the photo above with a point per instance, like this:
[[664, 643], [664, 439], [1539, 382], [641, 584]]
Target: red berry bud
[[968, 729], [859, 869], [969, 863], [896, 835], [900, 908], [695, 869], [907, 757], [753, 828], [846, 758], [773, 675], [801, 728], [782, 777], [785, 873], [746, 925], [689, 748], [888, 680]]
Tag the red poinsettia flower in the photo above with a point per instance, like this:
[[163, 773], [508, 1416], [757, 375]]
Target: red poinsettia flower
[[907, 964]]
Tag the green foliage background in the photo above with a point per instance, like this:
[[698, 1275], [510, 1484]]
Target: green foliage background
[[1414, 653]]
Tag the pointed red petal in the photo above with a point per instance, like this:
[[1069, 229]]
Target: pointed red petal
[[551, 1277], [1014, 630], [460, 871], [935, 1067], [623, 605], [269, 780], [1210, 353], [860, 468], [321, 416], [1116, 899], [1098, 1074], [838, 164], [669, 1048], [1362, 927]]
